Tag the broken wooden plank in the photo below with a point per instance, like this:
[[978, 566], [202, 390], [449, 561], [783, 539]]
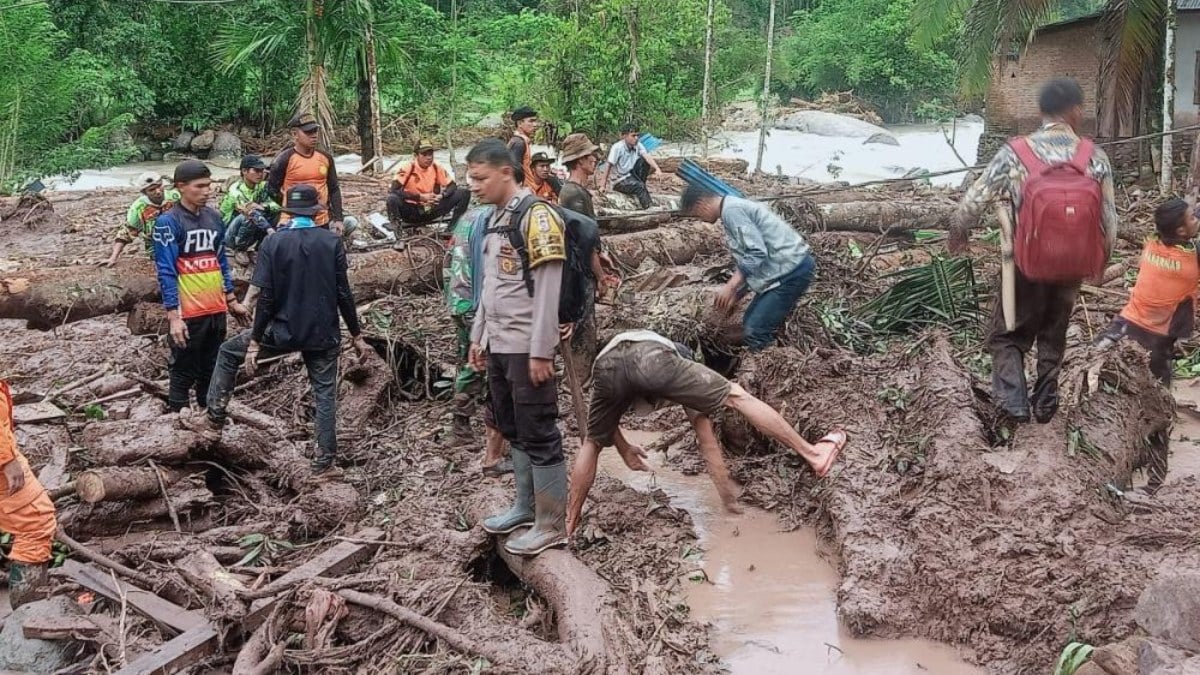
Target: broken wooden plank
[[174, 655], [333, 562], [162, 612], [43, 411], [59, 628]]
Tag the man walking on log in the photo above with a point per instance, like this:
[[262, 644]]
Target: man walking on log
[[770, 258], [302, 287], [1061, 229], [305, 163], [513, 338], [195, 283], [423, 192], [645, 371], [139, 220], [631, 162], [521, 144], [464, 258], [26, 512]]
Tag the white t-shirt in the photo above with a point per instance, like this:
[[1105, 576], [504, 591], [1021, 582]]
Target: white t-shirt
[[622, 158]]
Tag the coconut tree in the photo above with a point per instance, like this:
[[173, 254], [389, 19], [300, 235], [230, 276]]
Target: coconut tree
[[351, 36]]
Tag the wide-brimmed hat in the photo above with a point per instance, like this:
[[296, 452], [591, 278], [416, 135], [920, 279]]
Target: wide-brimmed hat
[[148, 180], [302, 200], [540, 158], [576, 146]]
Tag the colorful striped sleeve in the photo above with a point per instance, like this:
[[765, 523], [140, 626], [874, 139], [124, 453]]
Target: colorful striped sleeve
[[166, 254]]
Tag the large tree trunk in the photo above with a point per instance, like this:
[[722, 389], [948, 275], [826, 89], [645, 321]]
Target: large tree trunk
[[370, 133], [47, 298], [766, 95], [131, 441], [188, 500], [1166, 178], [113, 483], [706, 90]]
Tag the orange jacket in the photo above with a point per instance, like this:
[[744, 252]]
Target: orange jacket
[[545, 191], [412, 179], [1167, 277], [8, 436]]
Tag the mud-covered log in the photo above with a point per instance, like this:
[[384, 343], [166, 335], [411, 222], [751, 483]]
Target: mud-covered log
[[49, 297], [685, 314], [721, 166], [620, 223], [188, 499], [119, 482], [369, 380], [869, 216], [126, 442], [147, 318], [674, 245]]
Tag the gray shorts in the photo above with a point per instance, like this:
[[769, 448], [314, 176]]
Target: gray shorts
[[648, 370]]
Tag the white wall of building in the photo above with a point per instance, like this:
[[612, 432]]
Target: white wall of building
[[1187, 56]]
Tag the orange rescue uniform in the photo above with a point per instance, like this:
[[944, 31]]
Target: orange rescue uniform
[[412, 178], [291, 168], [1167, 277], [526, 156], [27, 515], [545, 191]]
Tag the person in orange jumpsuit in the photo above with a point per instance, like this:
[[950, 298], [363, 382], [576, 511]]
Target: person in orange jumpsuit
[[1162, 307], [26, 513]]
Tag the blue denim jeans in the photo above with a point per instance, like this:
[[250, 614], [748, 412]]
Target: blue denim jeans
[[770, 309], [322, 366], [243, 232]]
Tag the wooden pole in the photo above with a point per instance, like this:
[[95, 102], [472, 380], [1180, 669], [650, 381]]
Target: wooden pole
[[373, 84], [706, 96], [766, 95], [1166, 174]]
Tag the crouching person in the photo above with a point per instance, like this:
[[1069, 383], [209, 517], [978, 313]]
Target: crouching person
[[645, 371], [26, 513], [301, 286]]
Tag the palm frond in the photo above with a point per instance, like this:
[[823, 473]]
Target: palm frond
[[991, 27], [1135, 30], [932, 18]]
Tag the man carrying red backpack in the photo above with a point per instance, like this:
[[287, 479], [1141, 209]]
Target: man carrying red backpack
[[1059, 186]]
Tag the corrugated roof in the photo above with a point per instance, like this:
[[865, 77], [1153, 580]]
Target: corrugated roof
[[1189, 4]]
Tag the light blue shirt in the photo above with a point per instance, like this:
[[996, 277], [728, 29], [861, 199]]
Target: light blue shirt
[[764, 247], [299, 222], [623, 158]]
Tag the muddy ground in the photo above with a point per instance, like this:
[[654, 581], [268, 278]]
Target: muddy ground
[[943, 522]]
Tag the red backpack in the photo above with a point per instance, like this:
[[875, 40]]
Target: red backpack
[[1059, 234]]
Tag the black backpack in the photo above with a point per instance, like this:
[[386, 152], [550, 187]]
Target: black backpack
[[583, 239]]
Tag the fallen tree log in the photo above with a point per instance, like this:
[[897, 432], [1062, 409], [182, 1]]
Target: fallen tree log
[[117, 482], [674, 245], [873, 216], [50, 297], [126, 442], [188, 500]]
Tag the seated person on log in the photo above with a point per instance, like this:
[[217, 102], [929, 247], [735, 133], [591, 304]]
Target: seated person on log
[[424, 191], [646, 371], [771, 258], [26, 513], [139, 219], [250, 214], [1162, 307], [631, 162]]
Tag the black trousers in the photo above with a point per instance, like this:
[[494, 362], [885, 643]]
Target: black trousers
[[190, 367], [634, 184], [1043, 314], [454, 202], [526, 415]]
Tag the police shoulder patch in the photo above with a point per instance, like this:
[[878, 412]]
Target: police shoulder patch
[[545, 235]]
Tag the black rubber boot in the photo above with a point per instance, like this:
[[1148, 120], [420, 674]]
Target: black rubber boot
[[550, 528], [25, 582], [521, 512]]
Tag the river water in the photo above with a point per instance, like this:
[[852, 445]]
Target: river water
[[820, 158], [770, 595]]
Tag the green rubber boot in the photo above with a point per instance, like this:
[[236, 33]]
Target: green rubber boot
[[25, 581], [521, 512], [550, 527]]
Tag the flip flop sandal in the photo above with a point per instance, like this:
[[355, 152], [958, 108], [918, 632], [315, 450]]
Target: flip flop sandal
[[839, 440]]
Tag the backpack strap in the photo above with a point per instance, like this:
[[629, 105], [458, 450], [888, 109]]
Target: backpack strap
[[516, 238], [1083, 155], [1025, 154]]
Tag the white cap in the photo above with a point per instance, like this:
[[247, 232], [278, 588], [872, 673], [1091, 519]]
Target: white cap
[[148, 179]]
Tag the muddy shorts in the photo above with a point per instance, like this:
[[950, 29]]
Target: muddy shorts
[[633, 371]]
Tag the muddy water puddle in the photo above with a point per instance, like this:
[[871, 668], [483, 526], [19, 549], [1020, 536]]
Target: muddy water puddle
[[770, 596]]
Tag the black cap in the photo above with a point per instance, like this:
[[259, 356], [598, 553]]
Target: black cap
[[302, 200], [191, 169], [540, 158], [304, 122], [253, 162], [523, 112]]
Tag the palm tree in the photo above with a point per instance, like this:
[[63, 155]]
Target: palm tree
[[990, 27], [339, 36]]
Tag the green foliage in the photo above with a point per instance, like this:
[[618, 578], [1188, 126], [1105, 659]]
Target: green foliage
[[869, 46], [1073, 656], [93, 411]]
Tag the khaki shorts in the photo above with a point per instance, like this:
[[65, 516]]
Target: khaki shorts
[[653, 371]]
